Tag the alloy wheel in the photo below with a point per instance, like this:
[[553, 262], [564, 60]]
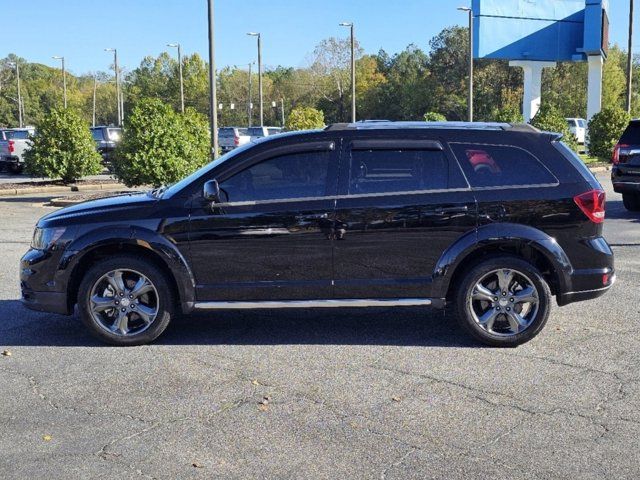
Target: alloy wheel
[[124, 302]]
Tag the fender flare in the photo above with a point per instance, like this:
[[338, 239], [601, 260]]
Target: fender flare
[[504, 234], [145, 238]]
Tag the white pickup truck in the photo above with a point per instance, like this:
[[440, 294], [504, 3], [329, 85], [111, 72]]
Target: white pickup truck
[[14, 142]]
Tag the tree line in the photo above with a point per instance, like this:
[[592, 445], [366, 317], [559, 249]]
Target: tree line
[[402, 86]]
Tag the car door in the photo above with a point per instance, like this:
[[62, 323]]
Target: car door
[[270, 238], [403, 202]]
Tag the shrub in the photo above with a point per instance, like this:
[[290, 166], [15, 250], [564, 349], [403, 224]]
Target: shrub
[[508, 114], [434, 117], [63, 148], [550, 119], [605, 129], [160, 146], [306, 118]]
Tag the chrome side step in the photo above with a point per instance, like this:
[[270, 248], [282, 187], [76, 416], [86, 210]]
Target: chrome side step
[[391, 302]]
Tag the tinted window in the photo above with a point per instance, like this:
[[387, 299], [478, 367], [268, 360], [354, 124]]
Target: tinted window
[[16, 134], [631, 135], [97, 134], [571, 123], [383, 171], [498, 166], [289, 176], [274, 131], [582, 123], [256, 132], [226, 132]]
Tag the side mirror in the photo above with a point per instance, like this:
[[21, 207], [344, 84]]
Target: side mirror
[[211, 191]]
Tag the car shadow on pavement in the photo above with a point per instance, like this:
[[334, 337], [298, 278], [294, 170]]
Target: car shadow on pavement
[[616, 211], [370, 326]]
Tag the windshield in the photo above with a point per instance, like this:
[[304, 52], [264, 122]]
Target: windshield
[[185, 182], [256, 131]]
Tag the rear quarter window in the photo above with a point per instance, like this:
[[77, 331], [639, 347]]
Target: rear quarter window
[[500, 166]]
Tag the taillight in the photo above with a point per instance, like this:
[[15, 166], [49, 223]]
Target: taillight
[[592, 203], [615, 159], [236, 141], [11, 146]]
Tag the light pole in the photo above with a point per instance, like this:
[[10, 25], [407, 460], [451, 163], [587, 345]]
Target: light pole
[[213, 100], [17, 67], [282, 111], [353, 69], [95, 90], [115, 67], [250, 106], [64, 79], [256, 34], [470, 100], [177, 45], [630, 57]]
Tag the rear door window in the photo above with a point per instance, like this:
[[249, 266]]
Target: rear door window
[[500, 166], [387, 171]]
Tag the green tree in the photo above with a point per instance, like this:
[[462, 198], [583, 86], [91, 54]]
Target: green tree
[[305, 118], [549, 119], [160, 146], [507, 114], [434, 117], [605, 129], [63, 148]]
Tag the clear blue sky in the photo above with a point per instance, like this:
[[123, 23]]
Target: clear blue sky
[[81, 29]]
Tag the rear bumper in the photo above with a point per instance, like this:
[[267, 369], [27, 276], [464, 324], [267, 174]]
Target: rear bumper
[[579, 296], [624, 180]]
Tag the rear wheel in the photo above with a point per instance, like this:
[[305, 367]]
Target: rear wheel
[[125, 301], [503, 302], [631, 201]]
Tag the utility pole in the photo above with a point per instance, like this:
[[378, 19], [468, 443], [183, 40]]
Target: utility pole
[[255, 34], [250, 105], [20, 109], [630, 58], [213, 99], [282, 111], [118, 98], [64, 79], [470, 94], [177, 45], [95, 90], [353, 69]]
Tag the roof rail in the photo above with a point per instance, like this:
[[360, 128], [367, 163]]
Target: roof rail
[[388, 125]]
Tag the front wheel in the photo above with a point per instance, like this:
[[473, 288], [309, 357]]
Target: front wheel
[[631, 201], [125, 301], [503, 302]]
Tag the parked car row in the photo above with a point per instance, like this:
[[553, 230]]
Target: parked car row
[[14, 142], [234, 137]]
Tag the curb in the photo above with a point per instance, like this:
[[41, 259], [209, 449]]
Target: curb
[[600, 169], [71, 188]]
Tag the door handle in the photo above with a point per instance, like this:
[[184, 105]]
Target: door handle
[[443, 210]]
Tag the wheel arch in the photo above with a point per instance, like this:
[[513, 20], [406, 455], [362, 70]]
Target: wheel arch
[[86, 250], [528, 243]]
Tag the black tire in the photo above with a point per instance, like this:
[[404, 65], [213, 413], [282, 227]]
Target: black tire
[[162, 298], [631, 201], [466, 309]]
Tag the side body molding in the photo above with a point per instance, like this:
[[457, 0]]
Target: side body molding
[[504, 234], [145, 238]]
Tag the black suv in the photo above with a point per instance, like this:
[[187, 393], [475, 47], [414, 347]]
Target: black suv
[[625, 173], [489, 219]]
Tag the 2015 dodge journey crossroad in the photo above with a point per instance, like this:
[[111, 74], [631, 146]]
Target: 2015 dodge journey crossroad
[[488, 220]]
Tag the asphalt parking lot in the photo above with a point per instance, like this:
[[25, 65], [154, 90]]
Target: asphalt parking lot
[[349, 394]]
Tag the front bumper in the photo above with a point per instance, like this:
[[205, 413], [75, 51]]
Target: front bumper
[[53, 302], [41, 289]]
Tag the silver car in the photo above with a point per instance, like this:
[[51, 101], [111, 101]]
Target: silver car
[[232, 137]]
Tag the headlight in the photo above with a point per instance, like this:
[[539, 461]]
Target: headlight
[[45, 238]]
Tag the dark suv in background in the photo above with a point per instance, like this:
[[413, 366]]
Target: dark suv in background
[[625, 173], [491, 220], [107, 139]]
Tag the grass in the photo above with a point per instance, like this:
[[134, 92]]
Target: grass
[[594, 161]]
